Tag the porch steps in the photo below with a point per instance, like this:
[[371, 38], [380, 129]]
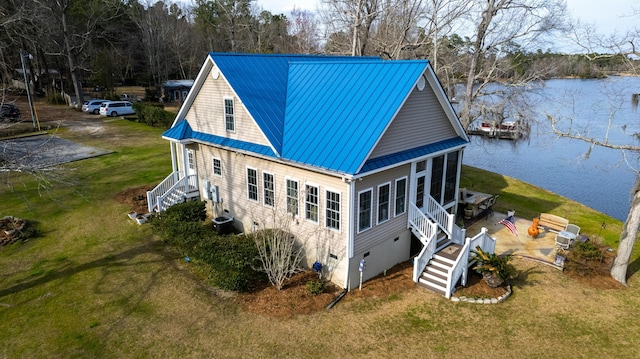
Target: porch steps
[[173, 197], [436, 273]]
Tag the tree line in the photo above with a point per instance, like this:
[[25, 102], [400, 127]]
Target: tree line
[[109, 42]]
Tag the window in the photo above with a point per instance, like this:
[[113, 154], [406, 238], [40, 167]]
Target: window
[[229, 120], [333, 210], [383, 202], [252, 184], [401, 194], [191, 163], [364, 210], [217, 167], [292, 197], [311, 203], [269, 189]]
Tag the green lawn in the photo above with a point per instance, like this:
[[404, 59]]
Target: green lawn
[[97, 285]]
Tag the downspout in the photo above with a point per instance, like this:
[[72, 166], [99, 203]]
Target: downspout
[[350, 229]]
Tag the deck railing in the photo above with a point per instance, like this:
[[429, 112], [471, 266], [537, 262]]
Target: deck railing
[[444, 219], [162, 188], [458, 270], [171, 191], [426, 232]]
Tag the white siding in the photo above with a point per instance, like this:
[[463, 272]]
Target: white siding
[[319, 240], [206, 114], [419, 122]]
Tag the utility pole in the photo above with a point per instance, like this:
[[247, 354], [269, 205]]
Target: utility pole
[[26, 86]]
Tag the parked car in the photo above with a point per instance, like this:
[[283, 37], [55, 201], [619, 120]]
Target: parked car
[[129, 97], [116, 108], [9, 112], [92, 106]]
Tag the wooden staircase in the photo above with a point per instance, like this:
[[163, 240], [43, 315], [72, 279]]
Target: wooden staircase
[[439, 269]]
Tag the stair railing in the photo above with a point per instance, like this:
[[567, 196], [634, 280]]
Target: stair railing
[[162, 188], [444, 219]]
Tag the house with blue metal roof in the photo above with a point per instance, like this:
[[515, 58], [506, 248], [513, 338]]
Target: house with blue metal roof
[[358, 157]]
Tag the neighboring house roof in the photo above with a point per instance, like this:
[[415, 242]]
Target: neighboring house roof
[[312, 108], [178, 83]]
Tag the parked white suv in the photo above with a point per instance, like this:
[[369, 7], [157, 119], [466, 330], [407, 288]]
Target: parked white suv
[[92, 106], [117, 108]]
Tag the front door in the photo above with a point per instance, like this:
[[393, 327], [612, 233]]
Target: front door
[[191, 163]]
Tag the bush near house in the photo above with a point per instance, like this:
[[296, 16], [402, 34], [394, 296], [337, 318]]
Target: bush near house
[[229, 261], [153, 114]]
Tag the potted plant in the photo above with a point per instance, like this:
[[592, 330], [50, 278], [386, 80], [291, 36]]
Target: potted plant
[[468, 211], [495, 269]]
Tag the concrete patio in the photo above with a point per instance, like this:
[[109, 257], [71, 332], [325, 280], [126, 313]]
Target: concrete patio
[[542, 248]]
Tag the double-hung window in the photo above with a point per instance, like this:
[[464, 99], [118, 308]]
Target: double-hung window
[[311, 203], [217, 167], [384, 192], [229, 119], [252, 184], [292, 197], [269, 189], [401, 195], [364, 209], [333, 210]]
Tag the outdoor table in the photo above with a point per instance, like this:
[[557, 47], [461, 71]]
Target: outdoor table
[[569, 235]]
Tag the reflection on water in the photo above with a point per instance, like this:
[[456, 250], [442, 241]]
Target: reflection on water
[[598, 177]]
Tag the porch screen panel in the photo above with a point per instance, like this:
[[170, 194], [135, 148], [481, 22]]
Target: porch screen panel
[[437, 170], [420, 192], [450, 177]]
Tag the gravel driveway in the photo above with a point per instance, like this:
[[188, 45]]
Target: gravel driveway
[[45, 150]]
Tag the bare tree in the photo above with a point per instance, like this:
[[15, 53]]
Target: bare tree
[[353, 17], [497, 25], [609, 46], [303, 28]]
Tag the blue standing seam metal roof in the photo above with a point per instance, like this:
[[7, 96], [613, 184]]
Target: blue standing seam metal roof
[[260, 81], [182, 131], [320, 111], [388, 160], [337, 111]]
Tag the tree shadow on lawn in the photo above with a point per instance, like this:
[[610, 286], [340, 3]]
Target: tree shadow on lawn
[[66, 269]]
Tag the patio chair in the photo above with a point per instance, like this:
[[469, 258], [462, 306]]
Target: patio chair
[[487, 207], [565, 238]]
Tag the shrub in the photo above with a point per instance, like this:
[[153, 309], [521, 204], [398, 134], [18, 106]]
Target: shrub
[[181, 225], [315, 287], [587, 258], [153, 115], [231, 261]]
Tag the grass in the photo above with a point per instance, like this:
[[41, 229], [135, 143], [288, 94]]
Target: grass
[[96, 285]]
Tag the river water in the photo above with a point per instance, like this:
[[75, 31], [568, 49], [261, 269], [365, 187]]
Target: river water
[[600, 178]]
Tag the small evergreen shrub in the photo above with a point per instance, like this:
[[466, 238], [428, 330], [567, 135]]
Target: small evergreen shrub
[[587, 258], [315, 287], [54, 98]]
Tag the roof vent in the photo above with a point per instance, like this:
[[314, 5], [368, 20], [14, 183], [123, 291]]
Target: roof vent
[[421, 83], [215, 73]]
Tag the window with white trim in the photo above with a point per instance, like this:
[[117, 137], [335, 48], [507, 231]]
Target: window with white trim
[[229, 119], [268, 189], [292, 197], [333, 210], [384, 193], [401, 196], [217, 167], [311, 203], [364, 209], [252, 184]]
